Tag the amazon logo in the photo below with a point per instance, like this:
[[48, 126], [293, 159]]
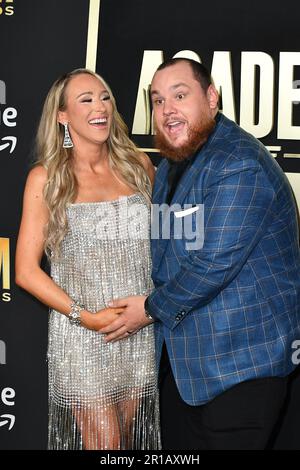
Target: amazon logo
[[7, 420], [10, 143], [8, 116], [8, 399]]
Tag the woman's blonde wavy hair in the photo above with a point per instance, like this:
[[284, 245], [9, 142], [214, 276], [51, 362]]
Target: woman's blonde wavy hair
[[61, 187]]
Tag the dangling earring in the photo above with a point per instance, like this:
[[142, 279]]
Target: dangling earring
[[67, 144]]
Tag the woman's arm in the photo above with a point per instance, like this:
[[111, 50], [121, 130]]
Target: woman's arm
[[30, 246]]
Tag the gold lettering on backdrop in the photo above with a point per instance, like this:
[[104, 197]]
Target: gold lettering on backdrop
[[186, 54], [274, 149], [294, 179], [5, 263], [288, 96], [291, 155], [249, 63], [142, 122], [6, 7], [223, 79], [93, 34]]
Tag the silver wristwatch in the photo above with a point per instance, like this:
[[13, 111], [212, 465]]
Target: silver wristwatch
[[74, 315], [146, 310]]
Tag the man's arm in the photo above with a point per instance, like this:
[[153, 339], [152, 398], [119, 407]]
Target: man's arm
[[238, 208]]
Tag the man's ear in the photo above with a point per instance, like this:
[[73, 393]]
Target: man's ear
[[212, 97], [62, 117]]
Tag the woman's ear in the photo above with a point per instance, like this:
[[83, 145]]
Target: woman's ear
[[62, 117]]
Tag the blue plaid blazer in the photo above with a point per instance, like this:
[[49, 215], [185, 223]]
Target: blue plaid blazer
[[229, 311]]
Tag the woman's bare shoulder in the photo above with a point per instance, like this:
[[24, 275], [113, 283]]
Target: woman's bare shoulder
[[37, 176], [36, 181], [38, 173]]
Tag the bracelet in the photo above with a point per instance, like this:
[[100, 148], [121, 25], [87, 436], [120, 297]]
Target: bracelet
[[74, 315]]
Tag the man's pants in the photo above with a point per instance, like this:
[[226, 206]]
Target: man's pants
[[242, 417]]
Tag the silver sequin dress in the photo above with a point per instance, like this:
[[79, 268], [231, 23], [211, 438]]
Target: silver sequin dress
[[103, 396]]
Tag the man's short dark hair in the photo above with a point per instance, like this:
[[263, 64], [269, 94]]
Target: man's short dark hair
[[201, 74]]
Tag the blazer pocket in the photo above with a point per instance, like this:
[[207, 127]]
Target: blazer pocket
[[242, 312]]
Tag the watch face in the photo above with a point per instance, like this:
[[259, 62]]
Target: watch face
[[74, 315], [74, 318]]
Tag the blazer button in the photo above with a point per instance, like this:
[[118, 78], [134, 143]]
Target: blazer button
[[180, 315]]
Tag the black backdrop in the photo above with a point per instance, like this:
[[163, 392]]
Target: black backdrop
[[43, 39]]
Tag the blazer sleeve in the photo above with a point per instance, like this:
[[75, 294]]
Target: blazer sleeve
[[238, 208]]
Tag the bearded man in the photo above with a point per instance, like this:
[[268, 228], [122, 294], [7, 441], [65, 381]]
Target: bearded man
[[227, 312]]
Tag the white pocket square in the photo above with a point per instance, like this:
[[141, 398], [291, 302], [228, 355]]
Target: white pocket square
[[185, 212]]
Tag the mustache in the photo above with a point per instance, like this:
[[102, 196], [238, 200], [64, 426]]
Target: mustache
[[196, 138], [169, 121]]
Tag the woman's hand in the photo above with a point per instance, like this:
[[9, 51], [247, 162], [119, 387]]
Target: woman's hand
[[100, 319]]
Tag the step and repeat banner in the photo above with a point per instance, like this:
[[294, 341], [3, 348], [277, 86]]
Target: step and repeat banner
[[253, 52]]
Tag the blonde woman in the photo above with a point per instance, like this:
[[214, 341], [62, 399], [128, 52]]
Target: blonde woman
[[86, 204]]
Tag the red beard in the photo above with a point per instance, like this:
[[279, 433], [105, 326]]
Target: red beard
[[197, 136]]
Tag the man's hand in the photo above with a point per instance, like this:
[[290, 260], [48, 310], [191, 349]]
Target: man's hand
[[130, 321]]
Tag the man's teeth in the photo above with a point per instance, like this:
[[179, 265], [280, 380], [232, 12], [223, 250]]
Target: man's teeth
[[98, 121], [175, 123]]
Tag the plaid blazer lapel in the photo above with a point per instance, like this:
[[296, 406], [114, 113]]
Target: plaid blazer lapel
[[184, 187], [188, 178], [159, 196]]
